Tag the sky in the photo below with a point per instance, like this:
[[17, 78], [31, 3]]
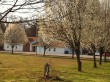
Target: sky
[[24, 13]]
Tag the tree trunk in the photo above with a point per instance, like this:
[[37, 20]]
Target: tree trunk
[[44, 51], [105, 57], [77, 50], [72, 54], [95, 65], [12, 48], [78, 59], [100, 62], [101, 53], [94, 57]]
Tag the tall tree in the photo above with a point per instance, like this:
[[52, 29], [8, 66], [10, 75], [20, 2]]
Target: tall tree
[[30, 28], [94, 25], [106, 23], [68, 23]]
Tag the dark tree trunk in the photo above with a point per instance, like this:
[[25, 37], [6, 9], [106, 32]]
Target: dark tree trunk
[[78, 59], [101, 53], [44, 51], [77, 50], [12, 48], [72, 54], [95, 65], [105, 57], [94, 57]]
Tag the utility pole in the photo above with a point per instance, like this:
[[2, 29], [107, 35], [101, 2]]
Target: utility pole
[[36, 36]]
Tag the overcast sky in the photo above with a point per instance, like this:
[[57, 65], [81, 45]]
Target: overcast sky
[[25, 13]]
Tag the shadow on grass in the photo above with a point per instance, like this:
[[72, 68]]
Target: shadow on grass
[[54, 56], [53, 79]]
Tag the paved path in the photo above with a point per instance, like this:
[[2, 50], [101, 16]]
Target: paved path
[[69, 55]]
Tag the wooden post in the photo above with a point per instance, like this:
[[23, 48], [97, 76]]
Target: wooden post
[[46, 70]]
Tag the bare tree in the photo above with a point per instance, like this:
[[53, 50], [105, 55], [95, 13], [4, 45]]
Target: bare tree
[[68, 27], [45, 38], [106, 23], [94, 25], [15, 35]]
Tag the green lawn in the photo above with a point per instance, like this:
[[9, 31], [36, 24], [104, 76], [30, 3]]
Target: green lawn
[[29, 68]]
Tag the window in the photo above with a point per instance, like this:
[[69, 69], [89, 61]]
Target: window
[[49, 49], [54, 49]]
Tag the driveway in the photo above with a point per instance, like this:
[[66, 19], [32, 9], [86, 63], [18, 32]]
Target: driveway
[[69, 55]]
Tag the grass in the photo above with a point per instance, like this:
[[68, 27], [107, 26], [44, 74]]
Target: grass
[[29, 68]]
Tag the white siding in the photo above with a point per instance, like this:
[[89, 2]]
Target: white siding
[[69, 50], [57, 50], [40, 49], [7, 47], [30, 47]]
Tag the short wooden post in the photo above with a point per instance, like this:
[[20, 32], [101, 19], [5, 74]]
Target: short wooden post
[[46, 70]]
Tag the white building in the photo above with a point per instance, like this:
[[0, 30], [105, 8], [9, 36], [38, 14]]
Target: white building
[[55, 50], [31, 47], [58, 49], [19, 47]]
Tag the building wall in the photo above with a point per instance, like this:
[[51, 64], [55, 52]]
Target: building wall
[[69, 50], [52, 50], [40, 50], [55, 51], [26, 47], [30, 48], [7, 47]]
